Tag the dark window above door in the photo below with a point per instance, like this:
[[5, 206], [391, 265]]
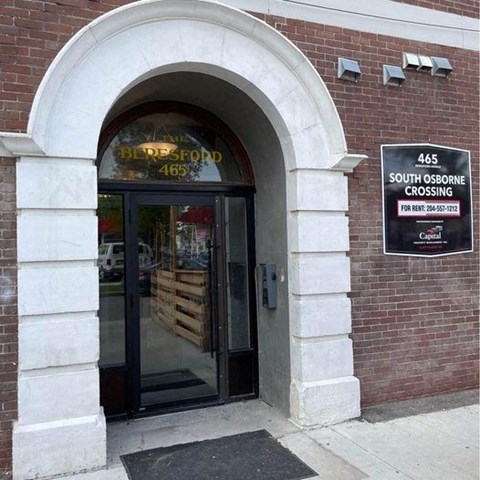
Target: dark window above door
[[172, 142]]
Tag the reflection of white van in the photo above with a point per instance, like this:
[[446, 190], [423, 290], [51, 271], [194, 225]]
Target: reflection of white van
[[111, 259], [145, 255]]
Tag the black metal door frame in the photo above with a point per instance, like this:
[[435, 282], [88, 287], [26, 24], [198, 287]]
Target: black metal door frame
[[135, 195], [133, 297]]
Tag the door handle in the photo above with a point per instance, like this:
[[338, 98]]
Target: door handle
[[211, 277]]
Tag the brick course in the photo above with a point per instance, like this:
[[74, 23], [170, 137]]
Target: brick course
[[467, 8], [8, 309], [415, 320]]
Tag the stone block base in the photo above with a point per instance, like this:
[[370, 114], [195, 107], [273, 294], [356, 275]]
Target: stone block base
[[60, 447], [324, 402]]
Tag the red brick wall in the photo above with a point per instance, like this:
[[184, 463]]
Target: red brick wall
[[31, 34], [468, 8], [8, 309], [415, 320]]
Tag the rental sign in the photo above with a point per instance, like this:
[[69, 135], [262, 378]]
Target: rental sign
[[427, 200]]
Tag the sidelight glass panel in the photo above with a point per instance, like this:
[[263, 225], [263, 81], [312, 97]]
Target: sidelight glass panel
[[111, 270], [177, 333], [237, 274]]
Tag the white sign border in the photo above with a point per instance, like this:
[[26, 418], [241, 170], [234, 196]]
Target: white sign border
[[383, 199]]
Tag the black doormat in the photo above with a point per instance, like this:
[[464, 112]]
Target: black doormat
[[173, 386], [248, 456], [170, 380]]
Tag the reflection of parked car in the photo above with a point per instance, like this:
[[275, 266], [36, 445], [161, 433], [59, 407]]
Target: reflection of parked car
[[145, 255], [111, 259], [144, 282]]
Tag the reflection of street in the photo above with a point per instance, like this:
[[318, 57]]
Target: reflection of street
[[111, 288]]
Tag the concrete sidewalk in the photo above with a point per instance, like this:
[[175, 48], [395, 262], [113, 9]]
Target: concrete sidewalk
[[440, 445]]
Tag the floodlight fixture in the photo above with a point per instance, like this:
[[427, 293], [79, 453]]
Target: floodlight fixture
[[348, 69], [441, 67], [393, 75]]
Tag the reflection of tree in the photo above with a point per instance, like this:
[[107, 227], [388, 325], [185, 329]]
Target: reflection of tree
[[158, 227], [110, 215], [150, 169], [151, 219]]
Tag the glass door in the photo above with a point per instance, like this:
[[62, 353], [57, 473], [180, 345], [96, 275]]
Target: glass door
[[174, 306]]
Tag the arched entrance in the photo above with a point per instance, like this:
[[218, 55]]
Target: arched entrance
[[176, 262], [301, 149]]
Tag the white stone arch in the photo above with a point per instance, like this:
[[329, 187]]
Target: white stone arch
[[109, 55], [60, 421]]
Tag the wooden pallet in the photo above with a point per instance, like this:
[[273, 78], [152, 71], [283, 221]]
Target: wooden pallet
[[180, 302], [192, 306], [162, 295]]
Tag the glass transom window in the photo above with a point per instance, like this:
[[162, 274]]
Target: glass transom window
[[169, 146]]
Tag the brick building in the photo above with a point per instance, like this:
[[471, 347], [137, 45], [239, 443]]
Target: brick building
[[192, 212]]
